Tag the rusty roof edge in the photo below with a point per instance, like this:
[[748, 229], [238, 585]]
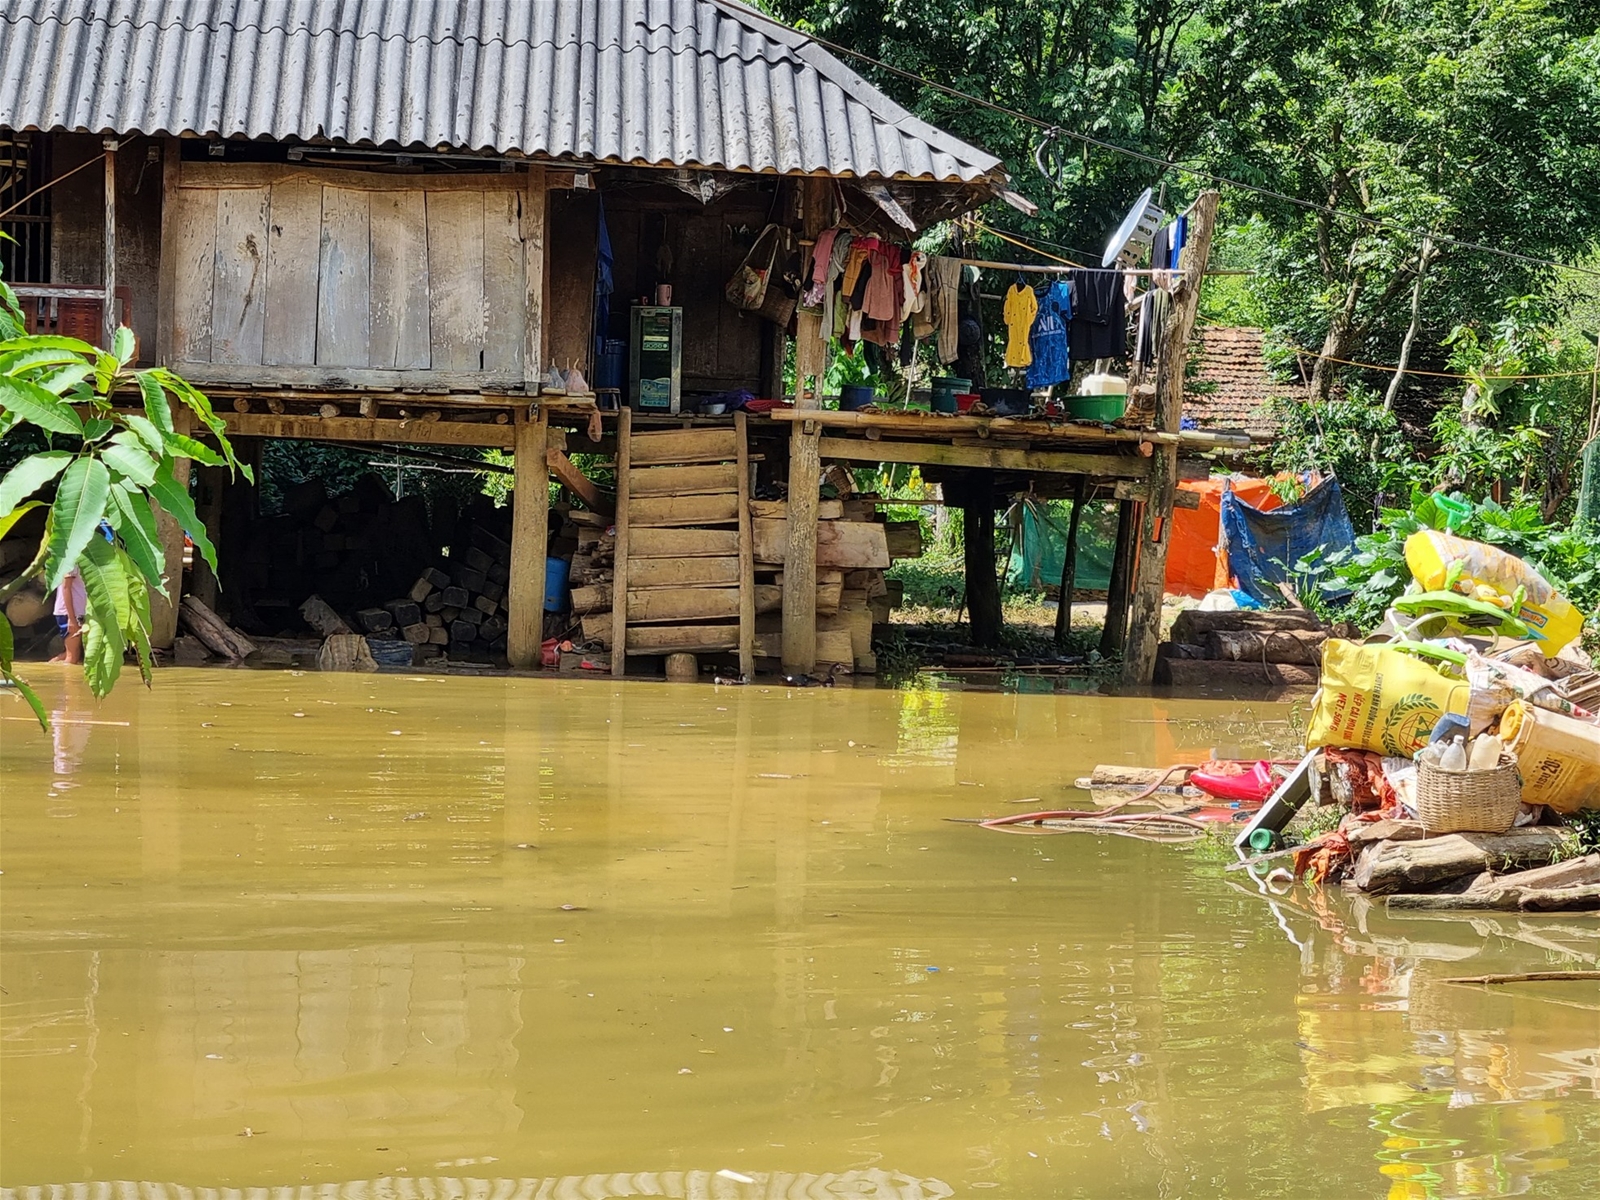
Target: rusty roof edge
[[828, 64]]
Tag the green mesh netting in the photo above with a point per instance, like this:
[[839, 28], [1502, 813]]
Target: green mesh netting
[[1036, 562], [1589, 489]]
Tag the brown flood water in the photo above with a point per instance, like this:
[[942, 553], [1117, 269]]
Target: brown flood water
[[482, 939]]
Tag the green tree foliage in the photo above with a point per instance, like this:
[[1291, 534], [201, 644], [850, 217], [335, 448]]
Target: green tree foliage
[[1467, 121], [109, 468]]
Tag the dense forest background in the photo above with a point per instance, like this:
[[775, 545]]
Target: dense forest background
[[1436, 132]]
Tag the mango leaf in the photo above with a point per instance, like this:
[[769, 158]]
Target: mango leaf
[[138, 630], [147, 432], [136, 526], [18, 361], [63, 380], [7, 420], [32, 403], [46, 341], [16, 514], [106, 587], [191, 396], [174, 497], [182, 446], [125, 456], [122, 344], [7, 650], [29, 475], [156, 408], [80, 505], [96, 427]]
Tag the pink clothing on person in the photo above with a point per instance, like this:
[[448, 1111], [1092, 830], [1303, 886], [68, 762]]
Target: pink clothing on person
[[72, 583]]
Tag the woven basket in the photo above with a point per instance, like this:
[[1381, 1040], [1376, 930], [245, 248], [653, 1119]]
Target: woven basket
[[1469, 801]]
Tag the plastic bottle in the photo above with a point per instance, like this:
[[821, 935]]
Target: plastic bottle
[[1454, 757], [1486, 750]]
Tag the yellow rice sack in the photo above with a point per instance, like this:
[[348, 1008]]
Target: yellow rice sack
[[1379, 698], [1431, 554]]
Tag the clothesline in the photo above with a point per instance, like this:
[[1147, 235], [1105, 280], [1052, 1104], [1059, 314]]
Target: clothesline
[[1036, 269]]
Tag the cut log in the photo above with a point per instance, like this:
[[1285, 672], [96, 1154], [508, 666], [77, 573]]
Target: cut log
[[1575, 872], [374, 620], [591, 598], [1192, 625], [644, 574], [213, 632], [682, 446], [778, 510], [319, 615], [655, 512], [419, 591], [1273, 646], [682, 668], [687, 639], [435, 579], [1503, 899], [904, 539], [416, 634], [1411, 866], [682, 543], [844, 544], [1365, 833], [346, 652], [597, 627], [1189, 674], [456, 597], [404, 612], [683, 481], [682, 604]]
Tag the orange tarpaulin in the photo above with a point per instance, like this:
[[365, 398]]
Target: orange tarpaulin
[[1193, 568]]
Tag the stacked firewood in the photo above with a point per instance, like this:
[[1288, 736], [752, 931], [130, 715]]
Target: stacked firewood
[[1277, 648], [455, 609]]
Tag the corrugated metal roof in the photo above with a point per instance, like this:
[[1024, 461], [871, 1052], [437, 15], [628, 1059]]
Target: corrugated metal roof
[[690, 83]]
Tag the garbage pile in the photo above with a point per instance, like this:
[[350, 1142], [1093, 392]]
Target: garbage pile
[[1461, 737]]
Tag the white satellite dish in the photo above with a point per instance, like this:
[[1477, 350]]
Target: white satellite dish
[[1138, 228]]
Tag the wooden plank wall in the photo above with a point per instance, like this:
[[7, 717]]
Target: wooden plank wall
[[280, 273]]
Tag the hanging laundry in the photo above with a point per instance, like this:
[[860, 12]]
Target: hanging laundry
[[1180, 235], [911, 274], [821, 260], [880, 302], [1153, 308], [944, 292], [971, 345], [833, 313], [1051, 362], [1099, 316], [1021, 307]]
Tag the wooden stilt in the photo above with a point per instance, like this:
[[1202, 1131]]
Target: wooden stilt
[[976, 498], [1139, 661], [530, 539], [682, 668], [619, 576], [1069, 566], [800, 556], [747, 566], [1115, 632]]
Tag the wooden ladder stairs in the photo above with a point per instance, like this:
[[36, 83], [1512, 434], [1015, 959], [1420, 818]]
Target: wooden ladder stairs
[[684, 580]]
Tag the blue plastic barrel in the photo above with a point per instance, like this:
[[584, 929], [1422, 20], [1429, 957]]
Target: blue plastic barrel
[[555, 584]]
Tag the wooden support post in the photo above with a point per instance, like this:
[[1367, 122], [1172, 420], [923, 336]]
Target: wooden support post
[[747, 565], [530, 540], [535, 219], [975, 496], [1139, 660], [108, 324], [619, 571], [164, 613], [1069, 565], [800, 556], [1115, 632], [167, 272]]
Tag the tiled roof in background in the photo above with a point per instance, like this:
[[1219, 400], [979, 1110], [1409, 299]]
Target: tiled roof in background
[[1231, 385], [687, 83]]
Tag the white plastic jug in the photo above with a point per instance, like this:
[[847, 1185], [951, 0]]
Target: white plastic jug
[[1103, 383]]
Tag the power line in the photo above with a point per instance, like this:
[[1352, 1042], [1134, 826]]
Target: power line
[[1153, 160]]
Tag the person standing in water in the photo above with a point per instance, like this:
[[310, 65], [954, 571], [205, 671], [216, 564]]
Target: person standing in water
[[72, 601]]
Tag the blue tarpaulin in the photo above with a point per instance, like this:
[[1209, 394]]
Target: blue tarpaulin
[[1264, 546]]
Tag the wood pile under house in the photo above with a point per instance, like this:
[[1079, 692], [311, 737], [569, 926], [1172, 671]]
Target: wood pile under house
[[1279, 648]]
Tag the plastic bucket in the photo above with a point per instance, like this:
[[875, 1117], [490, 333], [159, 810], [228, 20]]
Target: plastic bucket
[[853, 396], [1096, 408], [555, 584], [1559, 757], [945, 390]]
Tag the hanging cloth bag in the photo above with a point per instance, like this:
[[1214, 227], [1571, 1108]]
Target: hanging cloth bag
[[758, 285]]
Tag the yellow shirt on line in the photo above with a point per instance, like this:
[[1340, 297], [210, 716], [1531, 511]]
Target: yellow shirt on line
[[1020, 310]]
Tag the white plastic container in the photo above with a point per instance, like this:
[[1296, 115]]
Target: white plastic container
[[1103, 383]]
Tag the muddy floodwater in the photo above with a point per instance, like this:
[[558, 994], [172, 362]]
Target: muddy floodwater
[[395, 938]]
